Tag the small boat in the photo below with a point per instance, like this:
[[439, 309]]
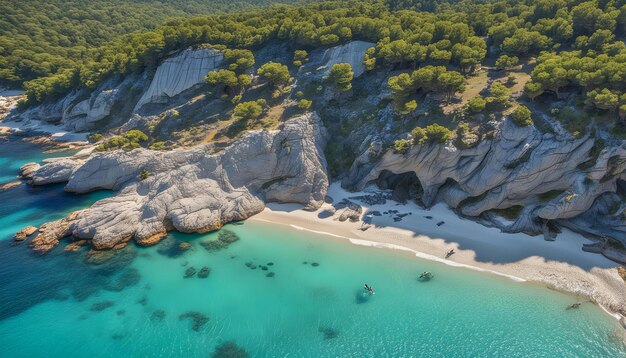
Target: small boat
[[369, 289]]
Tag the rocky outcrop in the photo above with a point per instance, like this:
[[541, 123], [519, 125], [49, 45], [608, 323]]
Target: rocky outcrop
[[351, 52], [180, 73], [193, 190], [55, 170], [24, 233], [547, 175], [51, 233]]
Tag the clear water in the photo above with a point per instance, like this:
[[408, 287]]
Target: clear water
[[47, 302]]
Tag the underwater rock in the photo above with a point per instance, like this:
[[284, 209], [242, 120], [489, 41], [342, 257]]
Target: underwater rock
[[204, 272], [227, 236], [117, 336], [270, 264], [214, 245], [362, 297], [229, 350], [328, 332], [110, 262], [270, 274], [157, 316], [24, 233], [9, 185], [190, 272], [198, 320], [170, 247], [441, 223], [184, 245], [128, 278], [101, 306], [75, 246], [120, 312], [315, 264], [51, 233], [143, 301], [264, 268]]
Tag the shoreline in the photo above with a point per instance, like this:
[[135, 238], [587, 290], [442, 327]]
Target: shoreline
[[559, 265]]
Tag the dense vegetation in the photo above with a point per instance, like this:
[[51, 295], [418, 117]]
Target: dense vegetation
[[577, 45], [40, 38]]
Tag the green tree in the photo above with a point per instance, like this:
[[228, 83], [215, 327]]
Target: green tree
[[505, 62], [438, 133], [340, 76], [522, 116], [248, 110], [239, 60], [401, 146], [476, 105], [274, 73]]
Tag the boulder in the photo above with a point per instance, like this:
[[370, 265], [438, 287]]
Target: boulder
[[351, 52], [24, 233]]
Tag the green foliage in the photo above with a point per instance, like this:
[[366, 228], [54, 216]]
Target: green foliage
[[144, 174], [476, 105], [419, 135], [157, 146], [340, 75], [304, 104], [274, 73], [300, 57], [95, 137], [239, 60], [499, 94], [248, 110], [229, 79], [505, 62], [401, 146], [438, 133], [427, 79], [129, 141], [522, 116]]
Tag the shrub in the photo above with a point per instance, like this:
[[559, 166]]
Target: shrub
[[476, 105], [95, 137], [419, 135], [401, 146], [304, 104], [248, 110], [144, 174], [438, 133], [340, 76], [274, 73], [157, 146], [522, 116]]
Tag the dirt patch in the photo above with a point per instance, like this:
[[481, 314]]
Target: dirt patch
[[622, 272]]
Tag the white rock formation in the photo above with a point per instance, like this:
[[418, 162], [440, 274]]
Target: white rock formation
[[179, 73], [194, 190], [512, 169], [352, 53]]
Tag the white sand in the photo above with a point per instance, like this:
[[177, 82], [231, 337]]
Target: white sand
[[559, 264]]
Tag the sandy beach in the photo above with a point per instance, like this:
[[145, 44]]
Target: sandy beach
[[560, 264]]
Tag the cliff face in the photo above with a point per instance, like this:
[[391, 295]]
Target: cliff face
[[192, 190], [180, 73], [548, 176]]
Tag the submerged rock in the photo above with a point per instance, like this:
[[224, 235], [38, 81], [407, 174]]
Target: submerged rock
[[328, 332], [198, 320], [270, 274], [190, 272], [229, 350], [128, 278], [101, 306], [51, 233], [9, 185], [204, 272], [157, 316]]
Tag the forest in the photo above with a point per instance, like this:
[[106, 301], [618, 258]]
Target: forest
[[40, 38], [576, 44]]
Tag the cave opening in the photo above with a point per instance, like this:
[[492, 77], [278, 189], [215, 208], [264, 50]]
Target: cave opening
[[405, 186]]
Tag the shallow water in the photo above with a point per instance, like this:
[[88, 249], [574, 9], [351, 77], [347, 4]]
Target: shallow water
[[58, 305]]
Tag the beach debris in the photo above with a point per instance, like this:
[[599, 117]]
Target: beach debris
[[450, 253], [157, 316], [574, 306], [229, 350], [441, 223], [24, 233], [204, 272], [190, 272], [198, 320], [328, 332], [270, 274], [101, 306]]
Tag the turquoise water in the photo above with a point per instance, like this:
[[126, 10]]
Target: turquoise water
[[58, 305]]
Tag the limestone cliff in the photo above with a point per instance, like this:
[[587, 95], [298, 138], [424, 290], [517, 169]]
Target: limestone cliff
[[550, 177], [193, 190]]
